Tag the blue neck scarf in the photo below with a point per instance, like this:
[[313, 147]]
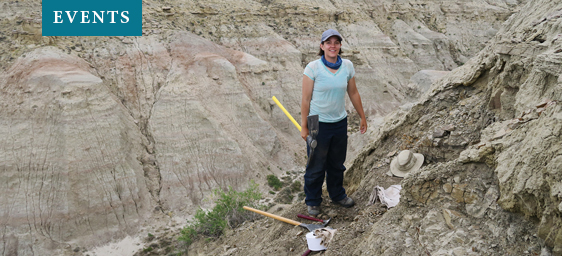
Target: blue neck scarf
[[330, 64]]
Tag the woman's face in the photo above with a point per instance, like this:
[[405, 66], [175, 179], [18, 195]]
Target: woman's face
[[331, 47]]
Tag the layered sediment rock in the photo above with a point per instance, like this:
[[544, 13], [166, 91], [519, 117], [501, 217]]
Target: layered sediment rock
[[497, 171], [490, 184], [97, 134], [69, 156]]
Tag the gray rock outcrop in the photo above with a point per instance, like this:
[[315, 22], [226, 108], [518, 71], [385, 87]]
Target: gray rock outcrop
[[490, 185], [69, 156], [496, 175], [99, 134]]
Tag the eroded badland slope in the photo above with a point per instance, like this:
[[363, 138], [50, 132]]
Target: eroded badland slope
[[490, 133], [107, 137]]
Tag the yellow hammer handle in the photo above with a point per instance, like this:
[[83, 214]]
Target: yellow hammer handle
[[296, 223], [286, 113]]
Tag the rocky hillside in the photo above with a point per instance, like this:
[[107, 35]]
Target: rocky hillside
[[101, 135], [491, 183]]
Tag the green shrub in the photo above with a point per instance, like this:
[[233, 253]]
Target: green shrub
[[274, 182], [228, 212], [302, 196], [284, 196], [296, 186], [150, 237], [188, 234]]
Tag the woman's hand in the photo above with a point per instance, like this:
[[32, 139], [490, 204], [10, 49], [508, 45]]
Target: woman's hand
[[304, 133], [363, 125], [356, 101]]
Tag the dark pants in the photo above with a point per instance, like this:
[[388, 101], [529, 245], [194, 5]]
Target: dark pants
[[327, 161]]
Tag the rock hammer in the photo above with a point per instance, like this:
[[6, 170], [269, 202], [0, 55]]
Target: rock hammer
[[313, 128]]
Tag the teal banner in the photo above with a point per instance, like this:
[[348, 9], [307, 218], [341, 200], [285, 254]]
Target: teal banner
[[92, 18]]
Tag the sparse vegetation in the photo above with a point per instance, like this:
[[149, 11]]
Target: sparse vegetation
[[274, 182], [228, 212], [296, 186], [284, 196], [301, 196]]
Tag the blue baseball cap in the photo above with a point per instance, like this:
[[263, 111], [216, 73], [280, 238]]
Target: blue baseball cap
[[329, 33]]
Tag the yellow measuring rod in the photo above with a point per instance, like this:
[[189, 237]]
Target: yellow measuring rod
[[286, 113]]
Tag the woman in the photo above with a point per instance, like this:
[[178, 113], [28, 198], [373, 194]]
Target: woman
[[324, 84]]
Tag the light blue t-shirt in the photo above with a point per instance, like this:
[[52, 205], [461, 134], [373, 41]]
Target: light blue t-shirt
[[328, 95]]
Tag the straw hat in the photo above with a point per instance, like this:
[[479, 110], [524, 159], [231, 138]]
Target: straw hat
[[406, 162]]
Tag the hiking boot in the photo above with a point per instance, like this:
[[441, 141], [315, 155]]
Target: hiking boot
[[346, 202], [314, 210]]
